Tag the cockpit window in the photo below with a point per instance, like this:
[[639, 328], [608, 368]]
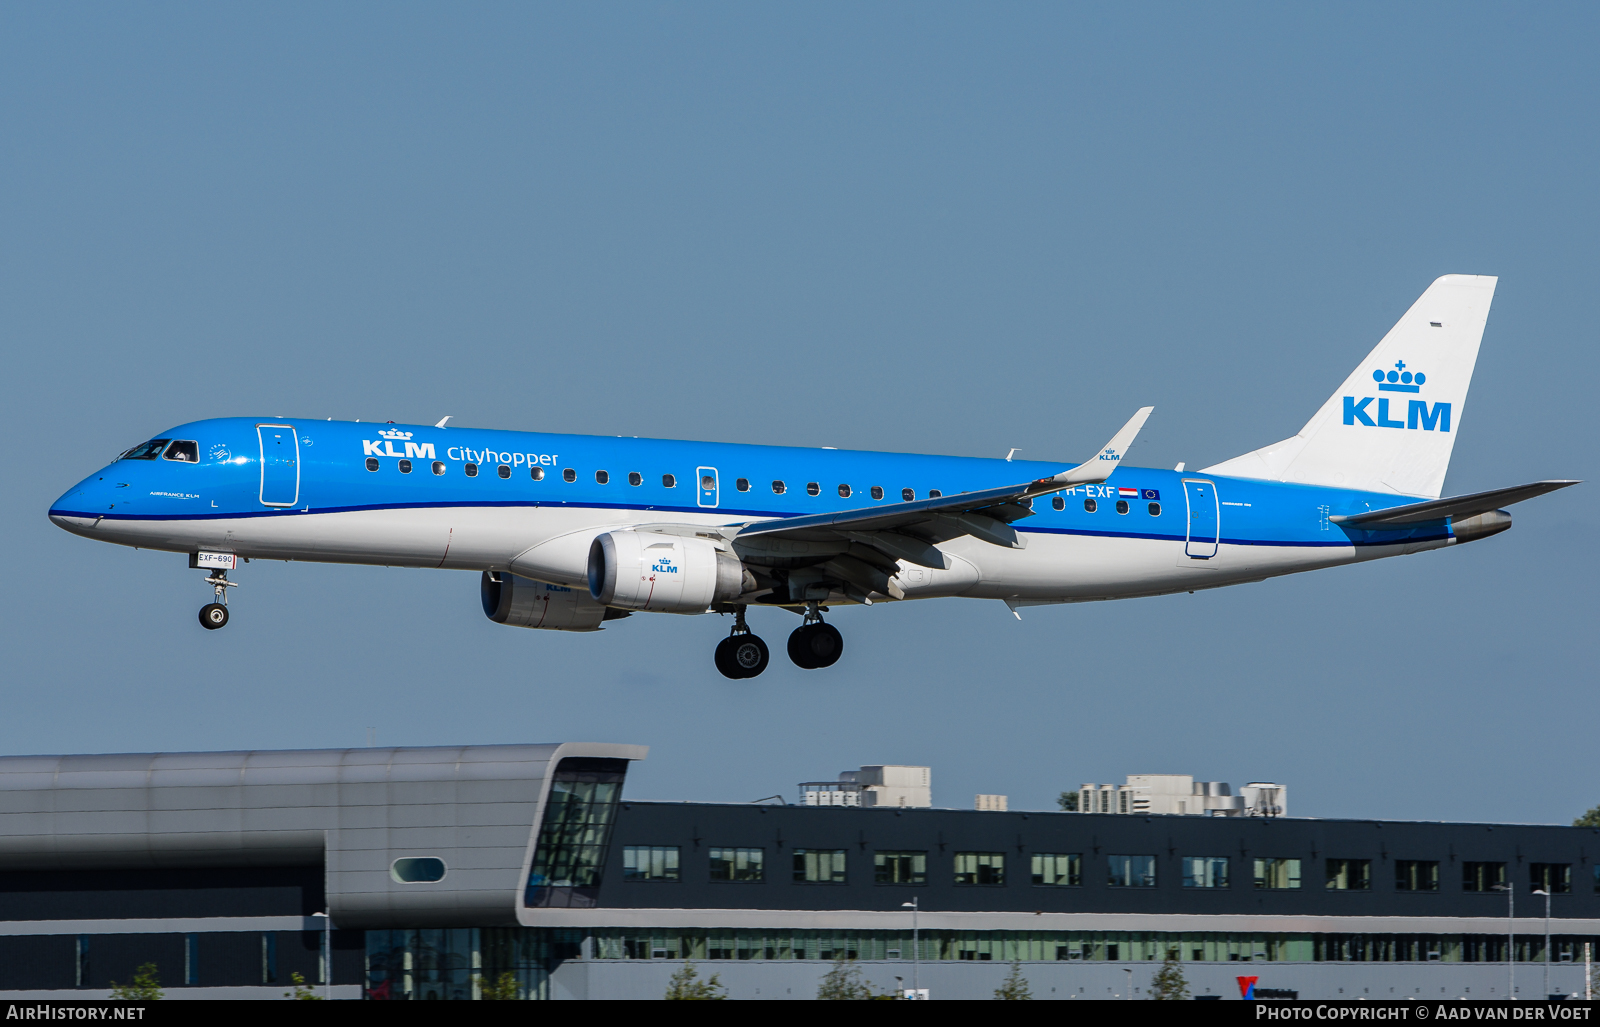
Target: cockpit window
[[149, 451], [184, 452]]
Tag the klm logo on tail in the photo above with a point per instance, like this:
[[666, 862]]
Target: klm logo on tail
[[1418, 414]]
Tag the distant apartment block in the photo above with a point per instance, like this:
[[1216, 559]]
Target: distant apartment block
[[1182, 795], [909, 787]]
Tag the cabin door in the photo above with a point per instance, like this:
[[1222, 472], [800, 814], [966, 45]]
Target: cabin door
[[280, 464], [1205, 525]]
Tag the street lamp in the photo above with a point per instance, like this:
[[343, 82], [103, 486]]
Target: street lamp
[[1545, 891], [1511, 937], [1129, 971], [916, 955], [327, 955]]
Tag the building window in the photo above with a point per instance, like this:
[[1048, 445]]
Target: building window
[[504, 470], [1416, 875], [779, 488], [569, 475], [1131, 871], [536, 473], [372, 463], [1090, 506], [813, 489], [737, 864], [669, 481], [819, 866], [981, 868], [649, 862], [742, 484], [471, 470], [907, 495], [1205, 871], [1482, 876], [1555, 878], [635, 479], [900, 868], [1277, 873], [1057, 869], [575, 832], [1349, 875], [417, 870]]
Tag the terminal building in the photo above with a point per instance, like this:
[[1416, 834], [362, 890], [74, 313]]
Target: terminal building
[[425, 873]]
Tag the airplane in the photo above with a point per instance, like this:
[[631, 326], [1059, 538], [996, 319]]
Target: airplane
[[568, 532]]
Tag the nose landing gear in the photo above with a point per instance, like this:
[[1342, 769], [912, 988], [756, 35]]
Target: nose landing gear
[[815, 645], [215, 615], [741, 654]]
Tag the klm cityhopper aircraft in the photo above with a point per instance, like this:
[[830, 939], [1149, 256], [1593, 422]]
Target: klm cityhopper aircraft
[[569, 531]]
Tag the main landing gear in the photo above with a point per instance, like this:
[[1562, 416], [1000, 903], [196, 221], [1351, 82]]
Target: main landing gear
[[815, 645], [741, 654], [215, 615]]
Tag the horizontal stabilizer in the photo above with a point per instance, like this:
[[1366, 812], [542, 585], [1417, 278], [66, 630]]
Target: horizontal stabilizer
[[1456, 507]]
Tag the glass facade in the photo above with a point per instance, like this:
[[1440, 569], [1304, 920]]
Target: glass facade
[[575, 834], [456, 963]]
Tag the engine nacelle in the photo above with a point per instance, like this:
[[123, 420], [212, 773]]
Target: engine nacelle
[[522, 603], [641, 570]]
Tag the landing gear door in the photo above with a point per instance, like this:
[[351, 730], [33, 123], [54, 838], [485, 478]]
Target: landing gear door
[[280, 464], [1205, 521], [706, 479]]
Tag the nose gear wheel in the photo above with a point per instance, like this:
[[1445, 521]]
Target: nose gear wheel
[[214, 615]]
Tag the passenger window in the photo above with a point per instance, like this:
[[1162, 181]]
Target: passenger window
[[149, 451], [935, 494], [813, 489], [708, 483], [504, 470], [1122, 506], [1058, 503], [405, 467], [1155, 509], [668, 481], [908, 494], [536, 473], [779, 488], [844, 492], [602, 477], [569, 475], [184, 452], [635, 478], [438, 467], [877, 492], [742, 484], [472, 470], [372, 463], [1090, 506]]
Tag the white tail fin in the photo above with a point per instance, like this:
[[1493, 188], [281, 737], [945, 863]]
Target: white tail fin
[[1392, 424]]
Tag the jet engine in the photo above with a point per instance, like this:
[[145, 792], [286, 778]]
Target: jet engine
[[522, 603], [641, 570]]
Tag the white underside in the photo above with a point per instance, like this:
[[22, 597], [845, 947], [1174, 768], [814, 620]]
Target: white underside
[[1053, 568]]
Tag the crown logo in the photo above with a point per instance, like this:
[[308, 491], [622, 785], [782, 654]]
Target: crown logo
[[1398, 380], [395, 433]]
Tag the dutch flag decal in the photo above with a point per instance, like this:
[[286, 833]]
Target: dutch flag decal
[[1128, 493]]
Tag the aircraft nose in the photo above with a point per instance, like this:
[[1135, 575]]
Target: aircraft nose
[[82, 503]]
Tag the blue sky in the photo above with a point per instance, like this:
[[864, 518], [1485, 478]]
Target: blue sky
[[917, 227]]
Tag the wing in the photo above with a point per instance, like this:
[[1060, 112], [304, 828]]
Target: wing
[[1456, 507], [870, 540]]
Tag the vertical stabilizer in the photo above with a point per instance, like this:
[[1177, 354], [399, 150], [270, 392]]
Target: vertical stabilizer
[[1392, 424]]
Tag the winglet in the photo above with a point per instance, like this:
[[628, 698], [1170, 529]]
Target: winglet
[[1099, 467], [446, 418]]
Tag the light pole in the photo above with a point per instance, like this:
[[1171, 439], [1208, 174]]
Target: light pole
[[1511, 938], [1129, 971], [1545, 891], [916, 954], [327, 955]]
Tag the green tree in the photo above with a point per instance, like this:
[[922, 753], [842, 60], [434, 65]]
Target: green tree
[[687, 985], [1169, 982], [502, 989], [1589, 819], [301, 990], [1068, 801], [1015, 986], [844, 982], [146, 986]]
